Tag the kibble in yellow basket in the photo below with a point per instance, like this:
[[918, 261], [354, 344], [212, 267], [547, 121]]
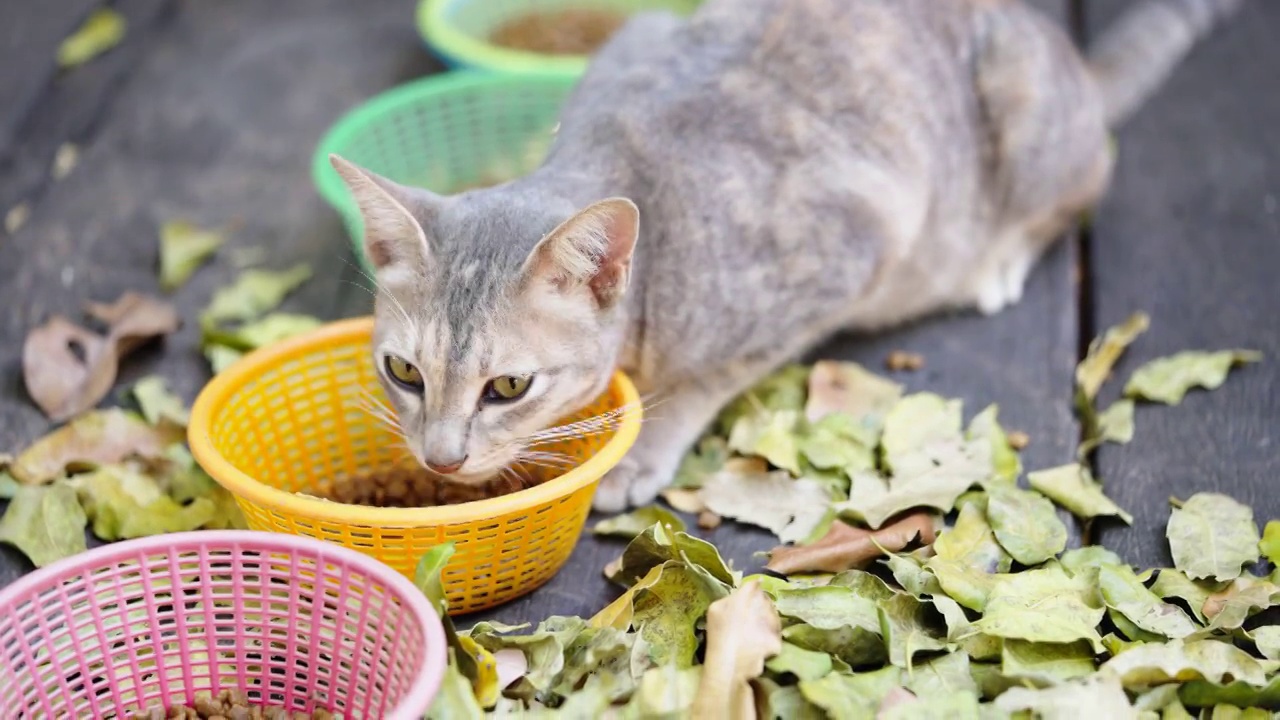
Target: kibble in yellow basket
[[291, 418]]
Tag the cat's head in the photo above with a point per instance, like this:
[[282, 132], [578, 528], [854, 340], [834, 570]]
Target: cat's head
[[497, 313]]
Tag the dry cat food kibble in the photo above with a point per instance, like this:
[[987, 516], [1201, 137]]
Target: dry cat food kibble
[[406, 487], [577, 31], [229, 705]]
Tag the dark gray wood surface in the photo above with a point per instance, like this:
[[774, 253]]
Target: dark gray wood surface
[[1191, 234], [211, 112]]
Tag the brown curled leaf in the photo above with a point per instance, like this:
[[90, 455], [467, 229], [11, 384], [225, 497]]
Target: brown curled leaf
[[98, 438], [68, 368], [845, 547], [743, 630]]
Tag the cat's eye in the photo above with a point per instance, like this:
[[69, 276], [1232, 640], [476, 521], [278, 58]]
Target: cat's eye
[[506, 388], [404, 373]]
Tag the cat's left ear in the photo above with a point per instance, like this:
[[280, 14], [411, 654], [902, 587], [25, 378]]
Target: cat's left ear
[[393, 235], [592, 249]]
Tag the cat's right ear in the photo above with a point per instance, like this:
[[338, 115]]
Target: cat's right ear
[[393, 237]]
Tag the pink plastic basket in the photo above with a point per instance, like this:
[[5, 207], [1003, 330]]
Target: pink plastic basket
[[287, 620]]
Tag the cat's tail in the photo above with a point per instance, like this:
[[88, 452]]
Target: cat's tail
[[1135, 54]]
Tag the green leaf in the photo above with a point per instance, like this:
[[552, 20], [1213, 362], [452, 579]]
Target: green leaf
[[656, 546], [1047, 663], [124, 504], [45, 523], [837, 442], [775, 701], [101, 31], [1072, 486], [708, 458], [932, 476], [1212, 536], [770, 435], [1183, 660], [597, 651], [8, 486], [455, 699], [427, 575], [1168, 379], [157, 403], [783, 390], [829, 608], [849, 389], [221, 357], [183, 249], [664, 693], [1267, 640], [804, 664], [942, 675], [908, 628], [629, 525], [1086, 560], [917, 421], [960, 705], [1171, 584], [855, 646], [1105, 350], [968, 586], [1269, 546], [1203, 693], [972, 542], [1230, 607], [544, 648], [268, 330], [1044, 605], [986, 426], [789, 508], [1122, 592], [666, 611], [1026, 525], [846, 696], [253, 294], [1092, 697]]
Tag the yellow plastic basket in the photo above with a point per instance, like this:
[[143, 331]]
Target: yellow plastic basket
[[289, 417]]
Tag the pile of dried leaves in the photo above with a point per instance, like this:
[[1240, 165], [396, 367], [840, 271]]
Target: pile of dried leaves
[[129, 474], [885, 609]]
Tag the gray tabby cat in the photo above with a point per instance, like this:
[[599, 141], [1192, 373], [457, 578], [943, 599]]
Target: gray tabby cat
[[724, 192]]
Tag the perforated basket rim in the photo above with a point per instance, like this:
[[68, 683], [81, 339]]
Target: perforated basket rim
[[431, 664], [450, 41], [218, 392], [359, 118]]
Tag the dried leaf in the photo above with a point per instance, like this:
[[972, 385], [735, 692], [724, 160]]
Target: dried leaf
[[1093, 697], [918, 421], [804, 664], [1212, 536], [1228, 608], [783, 390], [1123, 592], [829, 608], [942, 675], [97, 438], [253, 294], [850, 389], [221, 357], [908, 627], [845, 547], [1004, 459], [124, 504], [775, 701], [838, 442], [268, 330], [8, 486], [968, 586], [1072, 486], [708, 458], [426, 575], [787, 507], [1104, 351], [1046, 663], [657, 545], [930, 476], [629, 525], [845, 696], [67, 369], [1115, 425], [619, 613], [664, 692], [455, 698], [1171, 584], [1044, 605], [134, 319], [684, 500], [183, 249], [1201, 693], [1086, 560], [158, 404], [972, 542], [854, 646], [666, 612], [743, 630], [101, 31], [1183, 660], [770, 435], [1026, 525], [1168, 379], [1267, 640], [1270, 543], [45, 523]]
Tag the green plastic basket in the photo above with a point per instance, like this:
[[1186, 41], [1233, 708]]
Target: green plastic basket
[[446, 133], [458, 31]]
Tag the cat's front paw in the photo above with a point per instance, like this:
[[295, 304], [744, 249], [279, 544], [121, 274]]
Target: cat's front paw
[[630, 483]]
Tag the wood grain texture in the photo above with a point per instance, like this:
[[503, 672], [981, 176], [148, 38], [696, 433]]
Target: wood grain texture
[[1190, 233]]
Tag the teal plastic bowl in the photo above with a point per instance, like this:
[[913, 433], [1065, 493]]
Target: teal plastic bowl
[[446, 133], [458, 31]]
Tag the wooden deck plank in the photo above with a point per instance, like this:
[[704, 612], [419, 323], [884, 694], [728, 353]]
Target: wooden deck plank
[[1190, 233]]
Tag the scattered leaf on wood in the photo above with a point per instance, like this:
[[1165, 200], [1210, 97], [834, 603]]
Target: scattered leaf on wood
[[847, 387], [133, 319], [253, 294], [158, 404], [67, 369], [64, 160], [1167, 380], [101, 31], [743, 630], [262, 332], [1212, 536], [1072, 486], [787, 507], [45, 523], [183, 249], [629, 525], [1104, 351], [845, 547], [903, 361], [1018, 439], [16, 217], [1026, 525], [1270, 543], [98, 438]]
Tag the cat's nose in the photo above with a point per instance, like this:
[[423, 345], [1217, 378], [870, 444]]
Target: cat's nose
[[446, 468]]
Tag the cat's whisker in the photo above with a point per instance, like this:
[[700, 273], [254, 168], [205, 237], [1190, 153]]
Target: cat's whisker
[[404, 314]]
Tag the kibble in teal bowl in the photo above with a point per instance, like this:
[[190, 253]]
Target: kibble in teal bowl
[[447, 133], [462, 32]]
